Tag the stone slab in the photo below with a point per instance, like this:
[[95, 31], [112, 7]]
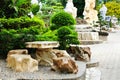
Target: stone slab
[[90, 42], [92, 63], [42, 44]]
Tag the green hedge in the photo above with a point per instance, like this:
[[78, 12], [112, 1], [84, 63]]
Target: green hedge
[[22, 22]]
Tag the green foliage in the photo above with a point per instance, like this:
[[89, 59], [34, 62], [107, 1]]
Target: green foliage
[[113, 8], [66, 36], [79, 4], [48, 9], [14, 8], [15, 39], [35, 8], [22, 22], [10, 39], [62, 19]]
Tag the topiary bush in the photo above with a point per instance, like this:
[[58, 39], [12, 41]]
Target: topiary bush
[[22, 22], [62, 19], [66, 36]]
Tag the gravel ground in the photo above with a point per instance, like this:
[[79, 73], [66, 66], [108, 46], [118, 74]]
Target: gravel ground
[[44, 73]]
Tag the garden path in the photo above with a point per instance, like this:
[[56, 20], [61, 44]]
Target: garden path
[[108, 55]]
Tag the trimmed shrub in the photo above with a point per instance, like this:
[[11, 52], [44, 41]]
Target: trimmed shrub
[[22, 22], [66, 36], [62, 19]]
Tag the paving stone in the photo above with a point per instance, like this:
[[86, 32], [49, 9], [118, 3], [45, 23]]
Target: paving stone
[[93, 74]]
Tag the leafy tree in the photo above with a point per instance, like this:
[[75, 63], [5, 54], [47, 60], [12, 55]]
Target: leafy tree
[[113, 8], [14, 8]]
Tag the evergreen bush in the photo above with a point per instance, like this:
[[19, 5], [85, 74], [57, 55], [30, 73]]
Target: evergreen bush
[[66, 36], [62, 19], [22, 22]]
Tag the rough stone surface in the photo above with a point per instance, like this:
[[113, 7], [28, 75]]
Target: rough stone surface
[[90, 15], [22, 63], [81, 53], [18, 51], [88, 36], [65, 65], [45, 56], [42, 44]]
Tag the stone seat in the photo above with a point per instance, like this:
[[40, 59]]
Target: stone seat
[[20, 61]]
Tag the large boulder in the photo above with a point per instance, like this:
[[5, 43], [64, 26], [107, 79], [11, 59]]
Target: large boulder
[[65, 65], [45, 56], [81, 53], [22, 63]]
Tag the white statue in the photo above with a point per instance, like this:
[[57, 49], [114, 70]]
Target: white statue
[[70, 8], [90, 15], [103, 11], [40, 7], [34, 1], [31, 14]]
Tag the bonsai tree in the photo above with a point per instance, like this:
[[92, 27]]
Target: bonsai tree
[[61, 19], [67, 36]]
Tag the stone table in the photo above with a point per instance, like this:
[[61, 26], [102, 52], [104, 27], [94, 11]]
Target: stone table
[[44, 52]]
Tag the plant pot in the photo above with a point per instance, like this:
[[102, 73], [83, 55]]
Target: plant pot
[[104, 38]]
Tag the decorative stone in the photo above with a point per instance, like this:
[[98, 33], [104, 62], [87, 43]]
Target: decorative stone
[[65, 64], [17, 51], [44, 53], [22, 63], [42, 44], [88, 36], [70, 8], [45, 56], [92, 63], [90, 15], [81, 53]]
